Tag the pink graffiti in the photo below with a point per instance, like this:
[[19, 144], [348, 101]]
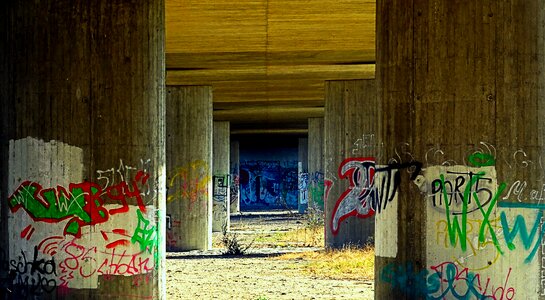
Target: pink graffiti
[[357, 199], [81, 262]]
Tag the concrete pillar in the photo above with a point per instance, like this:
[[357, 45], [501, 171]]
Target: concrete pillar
[[350, 115], [316, 164], [82, 150], [234, 192], [461, 85], [302, 166], [189, 167], [220, 169]]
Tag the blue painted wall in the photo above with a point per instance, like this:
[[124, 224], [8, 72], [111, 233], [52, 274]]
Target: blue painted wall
[[268, 173]]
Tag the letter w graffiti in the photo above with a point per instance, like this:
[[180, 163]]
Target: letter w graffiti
[[453, 223], [527, 239], [358, 199], [50, 205]]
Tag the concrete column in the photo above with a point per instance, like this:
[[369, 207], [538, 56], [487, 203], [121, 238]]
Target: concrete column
[[82, 150], [189, 167], [350, 115], [235, 176], [462, 92], [303, 175], [220, 169], [316, 164]]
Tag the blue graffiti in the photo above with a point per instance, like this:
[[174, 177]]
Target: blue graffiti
[[268, 184], [443, 281]]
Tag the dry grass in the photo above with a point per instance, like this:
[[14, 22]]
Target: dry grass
[[348, 263], [301, 237]]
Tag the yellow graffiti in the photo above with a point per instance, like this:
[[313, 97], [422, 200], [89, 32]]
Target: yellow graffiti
[[485, 253], [189, 182]]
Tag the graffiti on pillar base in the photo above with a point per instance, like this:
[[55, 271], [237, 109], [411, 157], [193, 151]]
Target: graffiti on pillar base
[[82, 203], [28, 276], [220, 193], [483, 202], [172, 231], [75, 234], [445, 281], [189, 182], [370, 188]]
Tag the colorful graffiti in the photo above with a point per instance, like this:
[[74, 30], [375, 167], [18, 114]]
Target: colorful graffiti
[[82, 204], [268, 184], [370, 188], [189, 182], [72, 233], [486, 201], [445, 281], [487, 231], [74, 260]]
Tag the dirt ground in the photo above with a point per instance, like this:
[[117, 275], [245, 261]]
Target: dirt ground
[[256, 275]]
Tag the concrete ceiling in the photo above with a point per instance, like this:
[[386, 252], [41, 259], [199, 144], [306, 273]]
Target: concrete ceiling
[[267, 60]]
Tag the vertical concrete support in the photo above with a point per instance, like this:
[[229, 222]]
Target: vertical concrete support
[[462, 94], [220, 169], [302, 167], [189, 167], [83, 151], [316, 164], [350, 115], [234, 160]]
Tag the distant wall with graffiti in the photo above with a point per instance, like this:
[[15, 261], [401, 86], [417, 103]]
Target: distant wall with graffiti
[[68, 232], [268, 185], [484, 234], [268, 174]]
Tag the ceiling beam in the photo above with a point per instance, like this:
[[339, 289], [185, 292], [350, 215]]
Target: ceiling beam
[[282, 131], [256, 73], [268, 114]]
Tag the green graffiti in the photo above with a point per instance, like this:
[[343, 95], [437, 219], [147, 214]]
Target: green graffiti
[[486, 217], [316, 195], [82, 205], [481, 159], [316, 190], [144, 234], [453, 224]]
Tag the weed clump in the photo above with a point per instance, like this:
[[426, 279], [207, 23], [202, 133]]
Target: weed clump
[[232, 244]]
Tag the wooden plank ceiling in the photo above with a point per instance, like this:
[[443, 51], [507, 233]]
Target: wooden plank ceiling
[[267, 60]]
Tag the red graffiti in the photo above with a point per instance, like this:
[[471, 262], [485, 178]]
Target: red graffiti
[[82, 206], [81, 262], [357, 199]]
